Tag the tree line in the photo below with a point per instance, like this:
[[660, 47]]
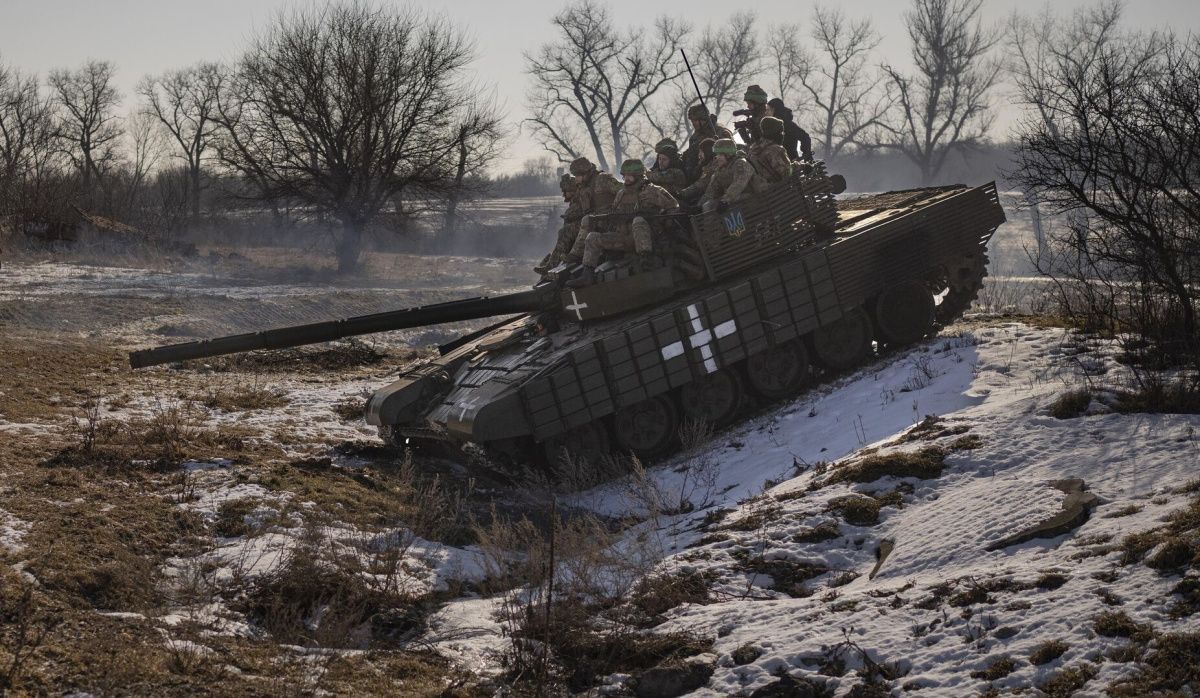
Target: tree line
[[348, 111]]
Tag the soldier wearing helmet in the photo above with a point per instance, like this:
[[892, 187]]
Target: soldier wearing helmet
[[595, 193], [756, 109], [691, 193], [702, 127], [630, 231], [570, 226], [733, 179], [767, 154], [668, 168]]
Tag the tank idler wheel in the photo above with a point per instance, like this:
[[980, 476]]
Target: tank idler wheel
[[648, 428], [586, 445], [961, 286], [843, 343], [778, 371], [904, 313], [715, 399]]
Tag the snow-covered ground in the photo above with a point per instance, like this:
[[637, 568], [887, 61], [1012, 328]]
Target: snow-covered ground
[[993, 383]]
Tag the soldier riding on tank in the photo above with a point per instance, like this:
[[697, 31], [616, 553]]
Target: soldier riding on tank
[[756, 109], [733, 178], [569, 228], [629, 230], [703, 127], [595, 195], [668, 168], [767, 155]]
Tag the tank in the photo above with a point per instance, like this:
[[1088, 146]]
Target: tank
[[746, 306]]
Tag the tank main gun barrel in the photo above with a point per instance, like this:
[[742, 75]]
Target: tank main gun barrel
[[315, 333]]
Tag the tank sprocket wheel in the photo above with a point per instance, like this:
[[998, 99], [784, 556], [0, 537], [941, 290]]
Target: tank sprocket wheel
[[587, 444], [648, 428], [961, 285], [843, 343], [716, 398], [904, 313], [778, 371]]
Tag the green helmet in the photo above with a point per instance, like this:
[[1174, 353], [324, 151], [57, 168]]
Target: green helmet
[[633, 167], [697, 111], [771, 127], [582, 166], [724, 146], [567, 183], [666, 145], [755, 94]]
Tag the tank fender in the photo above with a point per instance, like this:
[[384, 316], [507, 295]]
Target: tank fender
[[403, 401]]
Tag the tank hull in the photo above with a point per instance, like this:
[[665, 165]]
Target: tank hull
[[519, 383]]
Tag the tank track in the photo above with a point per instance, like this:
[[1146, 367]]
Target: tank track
[[963, 284]]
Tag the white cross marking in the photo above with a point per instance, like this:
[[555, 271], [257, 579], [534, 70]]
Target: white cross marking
[[466, 405], [577, 306], [701, 339]]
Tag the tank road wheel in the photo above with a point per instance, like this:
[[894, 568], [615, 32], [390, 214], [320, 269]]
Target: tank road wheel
[[961, 284], [648, 429], [586, 444], [715, 398], [904, 313], [843, 343], [778, 371]]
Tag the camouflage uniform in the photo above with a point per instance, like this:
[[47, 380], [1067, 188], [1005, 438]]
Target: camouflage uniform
[[672, 177], [732, 182], [769, 158], [570, 227], [756, 97], [595, 195], [691, 156], [630, 234]]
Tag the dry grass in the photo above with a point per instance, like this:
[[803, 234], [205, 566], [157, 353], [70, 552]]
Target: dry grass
[[244, 397], [1047, 652], [931, 428], [1172, 665], [998, 669], [1068, 680], [1119, 624], [857, 509], [1071, 404], [926, 463]]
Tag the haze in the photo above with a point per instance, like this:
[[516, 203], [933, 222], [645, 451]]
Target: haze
[[145, 36]]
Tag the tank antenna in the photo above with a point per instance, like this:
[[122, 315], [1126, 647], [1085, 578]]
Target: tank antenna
[[712, 118]]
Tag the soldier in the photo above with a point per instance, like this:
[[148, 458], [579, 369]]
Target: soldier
[[702, 128], [756, 109], [668, 170], [692, 192], [732, 180], [767, 155], [570, 226], [631, 231], [595, 194], [793, 135]]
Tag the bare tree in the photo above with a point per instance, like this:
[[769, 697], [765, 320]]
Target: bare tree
[[599, 80], [944, 107], [833, 85], [724, 59], [1042, 49], [1113, 142], [479, 138], [185, 103], [346, 108], [89, 129], [26, 136]]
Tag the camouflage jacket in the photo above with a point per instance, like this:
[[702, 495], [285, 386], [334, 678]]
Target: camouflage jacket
[[733, 182], [695, 190], [574, 211], [770, 160], [643, 197], [597, 195], [672, 179], [691, 156]]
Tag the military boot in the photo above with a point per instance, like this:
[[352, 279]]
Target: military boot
[[587, 277]]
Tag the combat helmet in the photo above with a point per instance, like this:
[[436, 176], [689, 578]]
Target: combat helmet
[[697, 111], [771, 127], [567, 183], [581, 167], [755, 94], [724, 146], [633, 166], [666, 146]]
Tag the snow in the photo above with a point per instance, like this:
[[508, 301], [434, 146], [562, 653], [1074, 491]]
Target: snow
[[997, 383], [12, 532]]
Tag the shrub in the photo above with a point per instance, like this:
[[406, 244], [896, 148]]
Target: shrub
[[1071, 404], [1119, 624], [857, 509], [926, 463], [1068, 680], [1048, 651], [996, 670]]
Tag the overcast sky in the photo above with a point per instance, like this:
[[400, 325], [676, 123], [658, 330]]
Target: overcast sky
[[150, 36]]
